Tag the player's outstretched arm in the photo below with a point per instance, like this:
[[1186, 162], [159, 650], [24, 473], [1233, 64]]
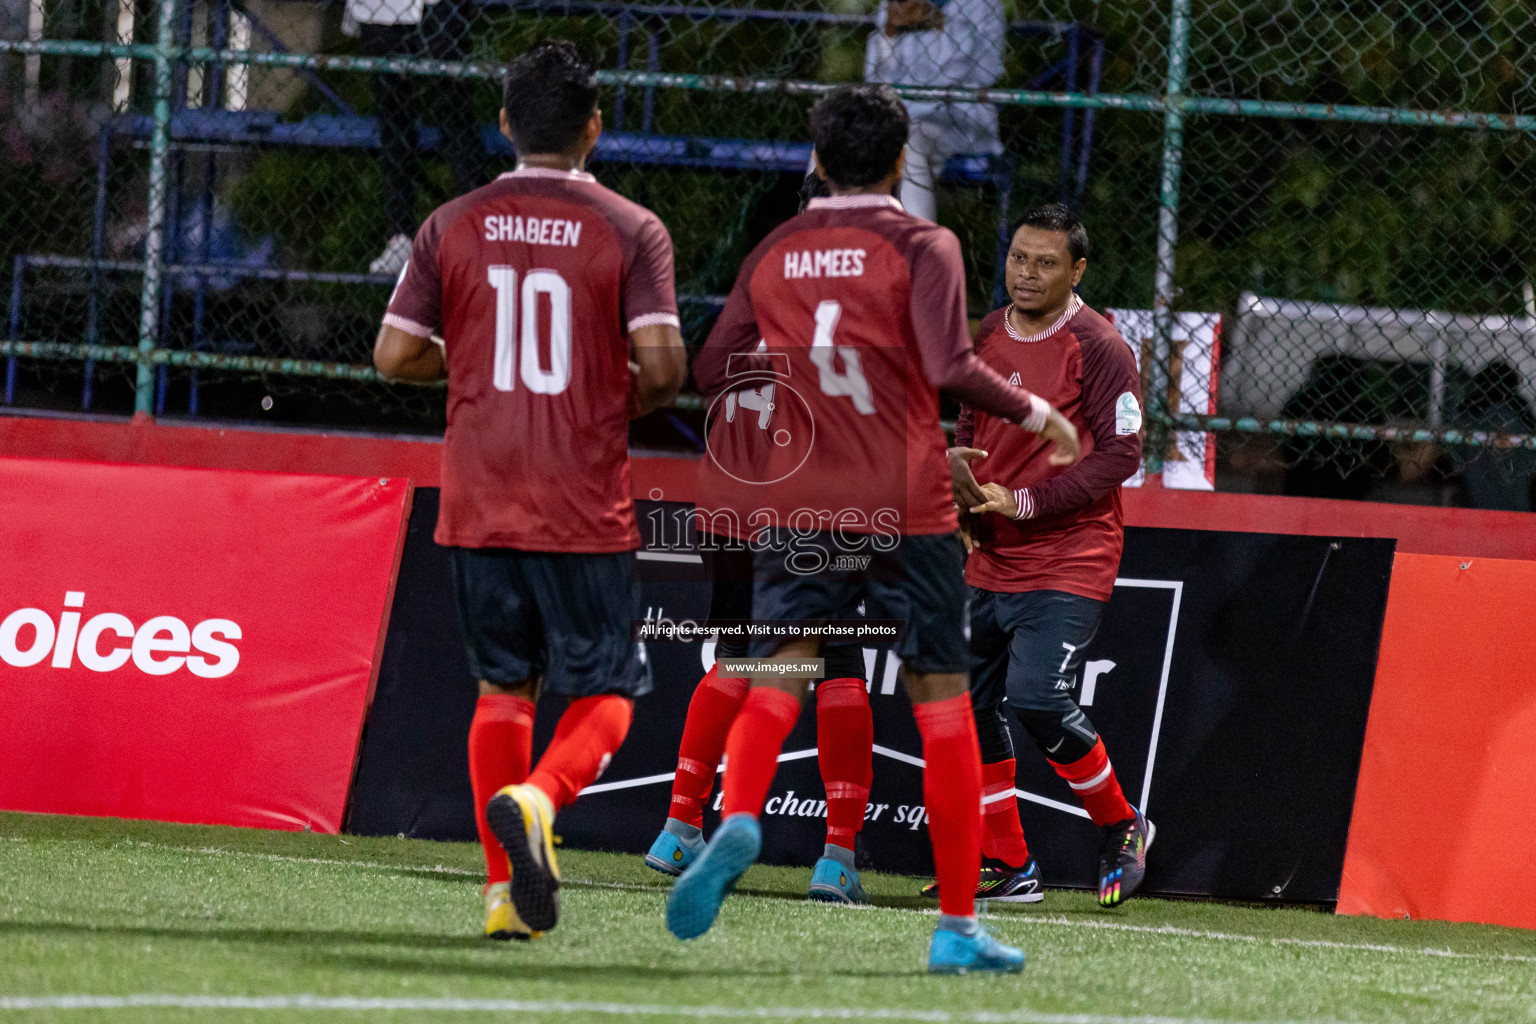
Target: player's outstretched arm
[[1111, 391], [400, 355], [660, 365]]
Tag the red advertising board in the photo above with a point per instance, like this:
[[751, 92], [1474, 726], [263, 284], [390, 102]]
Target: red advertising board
[[1447, 774], [189, 645]]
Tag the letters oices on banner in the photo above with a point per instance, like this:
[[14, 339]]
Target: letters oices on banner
[[160, 646]]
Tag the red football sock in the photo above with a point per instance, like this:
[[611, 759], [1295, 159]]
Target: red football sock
[[589, 732], [715, 704], [500, 747], [952, 790], [845, 738], [1002, 835], [752, 749], [1092, 778]]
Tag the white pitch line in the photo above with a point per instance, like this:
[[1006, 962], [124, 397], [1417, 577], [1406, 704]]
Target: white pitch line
[[1167, 931], [1280, 940], [420, 1005]]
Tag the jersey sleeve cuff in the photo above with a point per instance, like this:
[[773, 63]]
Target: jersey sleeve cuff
[[1026, 503], [655, 320], [400, 323], [1039, 412]]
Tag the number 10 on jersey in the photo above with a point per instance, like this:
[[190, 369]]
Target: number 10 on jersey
[[536, 378]]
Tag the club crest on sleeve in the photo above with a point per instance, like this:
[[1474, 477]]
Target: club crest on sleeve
[[1127, 414]]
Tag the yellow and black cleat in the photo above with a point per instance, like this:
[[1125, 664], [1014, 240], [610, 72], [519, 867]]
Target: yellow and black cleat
[[522, 819], [501, 920]]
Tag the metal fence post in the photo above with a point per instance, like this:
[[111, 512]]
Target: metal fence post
[[1159, 415], [159, 184]]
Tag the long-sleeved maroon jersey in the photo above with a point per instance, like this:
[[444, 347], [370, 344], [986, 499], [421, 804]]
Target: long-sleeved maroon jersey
[[825, 367], [1071, 530], [535, 282]]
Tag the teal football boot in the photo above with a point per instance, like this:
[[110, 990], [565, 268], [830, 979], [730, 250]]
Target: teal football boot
[[832, 882], [953, 953]]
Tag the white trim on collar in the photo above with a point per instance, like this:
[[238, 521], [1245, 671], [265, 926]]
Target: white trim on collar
[[1073, 308], [547, 172], [852, 202]]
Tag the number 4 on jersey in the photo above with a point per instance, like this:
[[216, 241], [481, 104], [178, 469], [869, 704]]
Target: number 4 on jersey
[[505, 369], [850, 383]]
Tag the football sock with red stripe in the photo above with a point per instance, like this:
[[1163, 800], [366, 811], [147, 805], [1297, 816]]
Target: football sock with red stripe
[[500, 747], [845, 737], [952, 790], [716, 702], [752, 749], [1092, 778], [1003, 834], [589, 733]]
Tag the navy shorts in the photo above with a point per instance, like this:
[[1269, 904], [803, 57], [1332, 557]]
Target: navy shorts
[[1029, 647], [562, 617], [730, 574], [921, 581]]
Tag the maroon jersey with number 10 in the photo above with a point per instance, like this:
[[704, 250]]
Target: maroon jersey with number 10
[[534, 283], [824, 368]]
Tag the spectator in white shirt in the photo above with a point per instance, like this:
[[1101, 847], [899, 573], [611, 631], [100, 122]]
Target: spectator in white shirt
[[939, 43]]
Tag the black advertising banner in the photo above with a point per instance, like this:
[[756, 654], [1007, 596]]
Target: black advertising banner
[[413, 762], [1231, 681]]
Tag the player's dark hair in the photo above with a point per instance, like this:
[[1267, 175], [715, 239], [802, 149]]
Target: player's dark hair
[[1057, 217], [549, 95], [859, 131]]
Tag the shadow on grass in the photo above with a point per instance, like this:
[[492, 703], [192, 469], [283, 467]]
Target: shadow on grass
[[515, 968], [886, 900], [310, 945], [258, 936]]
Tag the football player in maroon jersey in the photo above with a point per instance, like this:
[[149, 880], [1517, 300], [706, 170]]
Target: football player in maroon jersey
[[1047, 550], [554, 298], [845, 728], [860, 310]]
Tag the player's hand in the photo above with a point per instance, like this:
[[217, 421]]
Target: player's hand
[[967, 490], [969, 530], [1060, 432], [998, 499]]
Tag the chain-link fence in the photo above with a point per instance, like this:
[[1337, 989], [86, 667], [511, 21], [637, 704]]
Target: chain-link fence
[[201, 200]]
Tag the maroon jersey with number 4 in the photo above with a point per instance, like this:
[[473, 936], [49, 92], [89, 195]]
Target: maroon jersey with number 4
[[1070, 532], [534, 283], [823, 371]]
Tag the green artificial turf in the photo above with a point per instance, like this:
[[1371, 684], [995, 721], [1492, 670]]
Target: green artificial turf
[[103, 907]]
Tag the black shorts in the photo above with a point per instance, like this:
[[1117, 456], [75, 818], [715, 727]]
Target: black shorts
[[1029, 647], [729, 567], [561, 617], [921, 582]]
